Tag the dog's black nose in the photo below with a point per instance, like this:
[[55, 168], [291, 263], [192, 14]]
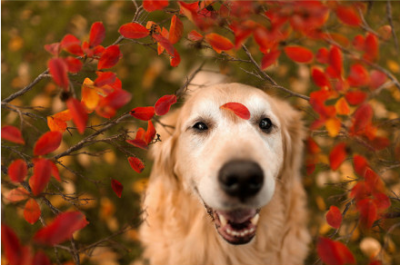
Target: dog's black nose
[[241, 178]]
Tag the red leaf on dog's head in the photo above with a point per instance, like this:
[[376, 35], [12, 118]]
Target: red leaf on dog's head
[[47, 143], [359, 42], [59, 71], [175, 30], [299, 54], [336, 61], [41, 175], [143, 113], [269, 58], [32, 211], [164, 103], [153, 5], [355, 97], [136, 164], [368, 212], [348, 15], [78, 113], [74, 65], [378, 78], [238, 109], [319, 78], [150, 133], [175, 59], [371, 47], [117, 187], [109, 57], [53, 49], [361, 119], [218, 42], [61, 229], [195, 36], [71, 44], [97, 34], [337, 156], [140, 143], [12, 247], [358, 76], [133, 31], [12, 134], [104, 78], [334, 217], [18, 170], [360, 164], [54, 171], [322, 56], [334, 252]]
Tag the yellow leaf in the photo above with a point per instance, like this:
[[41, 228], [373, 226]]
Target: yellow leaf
[[333, 126], [341, 106], [393, 66], [89, 95]]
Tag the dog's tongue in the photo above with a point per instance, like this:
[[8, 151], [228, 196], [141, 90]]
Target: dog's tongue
[[238, 216]]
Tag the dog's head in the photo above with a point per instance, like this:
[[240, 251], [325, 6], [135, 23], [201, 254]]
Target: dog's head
[[231, 164]]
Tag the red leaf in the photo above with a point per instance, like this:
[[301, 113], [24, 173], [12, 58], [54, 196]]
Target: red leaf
[[143, 113], [140, 143], [12, 134], [238, 109], [176, 59], [334, 217], [360, 164], [32, 211], [380, 143], [109, 57], [133, 31], [117, 187], [378, 78], [74, 65], [322, 56], [136, 164], [164, 103], [359, 191], [355, 97], [41, 175], [373, 182], [358, 76], [140, 134], [78, 113], [312, 146], [97, 34], [368, 212], [348, 15], [41, 258], [165, 43], [117, 99], [61, 229], [337, 156], [54, 171], [242, 31], [317, 101], [104, 78], [47, 143], [359, 42], [150, 133], [269, 58], [12, 247], [153, 5], [375, 262], [299, 54], [53, 49], [361, 119], [381, 201], [336, 61], [175, 30], [71, 44], [218, 42], [195, 36], [319, 78], [18, 170], [59, 71], [57, 122], [371, 47], [334, 252], [17, 195]]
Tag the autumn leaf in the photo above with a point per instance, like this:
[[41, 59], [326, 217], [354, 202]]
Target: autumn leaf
[[12, 134], [175, 30], [12, 247], [359, 42], [334, 217], [59, 71], [61, 229], [164, 103], [17, 170], [334, 252], [371, 47], [165, 43], [17, 195], [362, 117], [133, 31], [140, 143], [103, 78], [337, 156], [312, 146], [195, 36], [57, 122], [109, 57], [136, 164], [53, 49], [143, 113], [269, 58], [341, 106], [322, 56], [378, 78], [78, 113], [336, 62], [150, 133], [355, 97], [382, 201], [360, 164], [47, 143], [333, 126], [90, 97], [97, 34], [117, 187], [32, 211], [73, 65], [153, 5], [319, 78], [358, 76], [238, 109], [218, 42], [175, 59], [41, 258], [41, 175], [54, 171], [71, 44], [299, 54], [348, 15], [368, 212]]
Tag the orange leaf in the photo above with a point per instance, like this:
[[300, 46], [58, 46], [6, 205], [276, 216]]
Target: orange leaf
[[136, 164], [47, 143], [355, 97], [334, 252], [78, 113], [195, 36], [17, 195], [164, 103], [368, 212], [333, 126], [337, 156], [165, 43], [59, 71], [109, 57], [334, 217], [143, 113], [41, 175], [90, 97], [61, 229], [175, 30], [238, 109], [133, 31], [218, 42], [299, 54], [269, 58], [32, 211], [342, 108], [312, 146], [153, 5], [117, 187], [18, 170], [12, 134], [97, 34], [57, 122], [358, 76]]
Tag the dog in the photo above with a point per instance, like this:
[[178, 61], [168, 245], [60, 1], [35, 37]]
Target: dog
[[225, 190]]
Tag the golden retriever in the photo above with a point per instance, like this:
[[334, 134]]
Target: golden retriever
[[224, 190]]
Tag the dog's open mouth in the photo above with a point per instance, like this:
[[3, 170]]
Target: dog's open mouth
[[236, 226]]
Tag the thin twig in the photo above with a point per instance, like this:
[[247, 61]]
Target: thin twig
[[390, 19]]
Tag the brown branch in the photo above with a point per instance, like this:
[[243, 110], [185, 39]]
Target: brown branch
[[390, 19]]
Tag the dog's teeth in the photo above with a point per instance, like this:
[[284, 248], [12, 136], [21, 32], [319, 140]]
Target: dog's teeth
[[251, 230], [254, 220], [223, 220], [229, 231], [246, 232]]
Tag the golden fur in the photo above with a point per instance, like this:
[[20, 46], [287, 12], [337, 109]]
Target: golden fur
[[177, 228]]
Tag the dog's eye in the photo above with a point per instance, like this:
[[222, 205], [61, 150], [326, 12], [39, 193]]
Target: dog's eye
[[265, 124], [201, 126]]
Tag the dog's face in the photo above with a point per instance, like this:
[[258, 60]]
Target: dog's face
[[231, 164]]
